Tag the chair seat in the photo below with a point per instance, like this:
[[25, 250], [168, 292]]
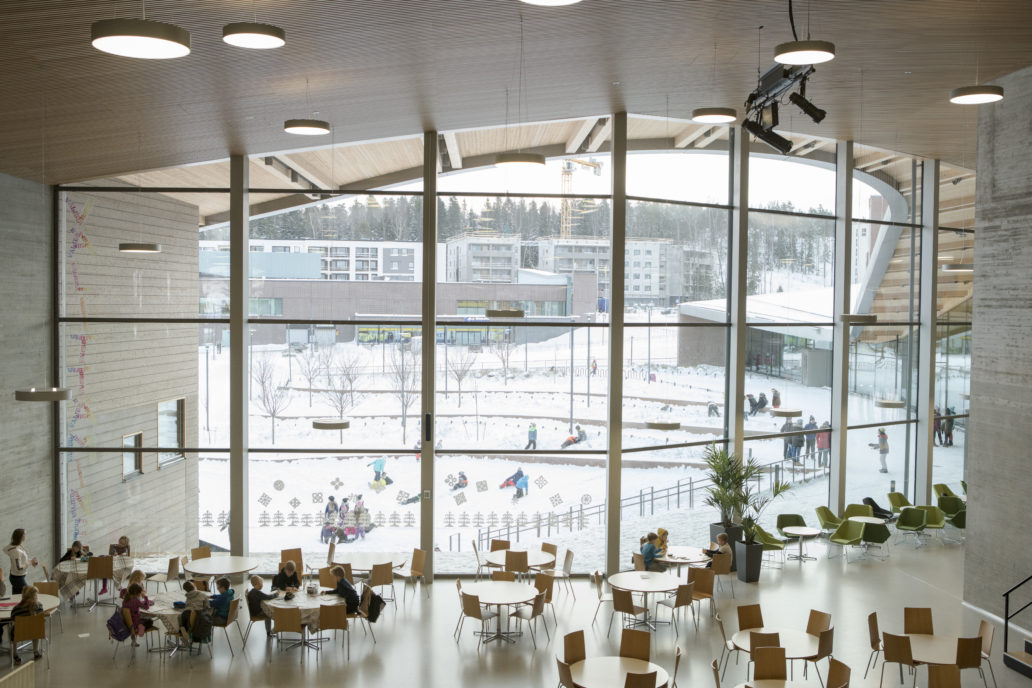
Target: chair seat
[[158, 577], [526, 613], [555, 573], [701, 595], [490, 613], [668, 601]]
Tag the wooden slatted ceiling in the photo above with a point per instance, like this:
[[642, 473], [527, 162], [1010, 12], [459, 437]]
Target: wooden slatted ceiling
[[386, 69]]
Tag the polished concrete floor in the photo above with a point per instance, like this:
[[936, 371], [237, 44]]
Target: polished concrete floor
[[415, 646]]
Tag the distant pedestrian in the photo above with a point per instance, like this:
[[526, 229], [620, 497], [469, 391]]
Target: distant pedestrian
[[948, 424], [775, 398], [824, 445], [797, 441], [712, 409], [761, 404], [753, 405], [531, 437], [937, 426], [789, 426], [594, 366], [882, 445], [378, 466], [811, 437]]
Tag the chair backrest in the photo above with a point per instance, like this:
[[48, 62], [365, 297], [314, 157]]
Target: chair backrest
[[917, 620], [234, 607], [100, 567], [286, 619], [749, 616], [876, 533], [911, 518], [499, 544], [382, 574], [471, 606], [969, 652], [827, 519], [545, 583], [715, 666], [330, 553], [934, 516], [959, 519], [825, 643], [550, 548], [327, 579], [897, 648], [951, 505], [851, 532], [294, 555], [787, 520], [720, 625], [639, 561], [47, 588], [200, 553], [721, 564], [476, 552], [683, 597], [677, 663], [200, 584], [516, 561], [348, 573], [857, 510], [758, 640], [173, 569], [364, 601], [573, 647], [600, 583], [640, 680], [702, 579], [565, 675], [942, 490], [817, 622], [838, 674], [418, 564], [943, 676], [538, 605], [769, 663], [46, 572], [634, 644], [897, 501], [568, 563], [506, 576], [34, 627], [985, 632], [622, 601], [872, 631], [333, 616], [127, 619]]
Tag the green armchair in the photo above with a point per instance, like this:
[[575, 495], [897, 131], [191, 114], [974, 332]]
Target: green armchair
[[857, 510], [849, 534], [951, 505], [912, 520], [878, 535], [828, 520], [942, 489], [935, 519], [898, 502], [788, 520]]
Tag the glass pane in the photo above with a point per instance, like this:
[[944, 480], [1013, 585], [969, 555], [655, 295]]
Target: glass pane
[[792, 364], [691, 166], [883, 373], [886, 272], [869, 450], [212, 516], [809, 477], [883, 184], [955, 279], [802, 183], [956, 197], [791, 268]]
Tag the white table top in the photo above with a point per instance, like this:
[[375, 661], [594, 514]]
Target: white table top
[[303, 600], [679, 554], [221, 565], [933, 649], [535, 558], [797, 644], [501, 592], [644, 581], [49, 602], [773, 683], [802, 531], [365, 561], [867, 519], [611, 672], [80, 566]]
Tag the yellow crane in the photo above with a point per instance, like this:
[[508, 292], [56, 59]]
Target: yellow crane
[[566, 188]]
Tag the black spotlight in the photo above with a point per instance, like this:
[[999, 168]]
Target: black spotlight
[[808, 108], [775, 141]]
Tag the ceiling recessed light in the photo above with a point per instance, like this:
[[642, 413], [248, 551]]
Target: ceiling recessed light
[[306, 127], [139, 247], [714, 115], [804, 52], [959, 267], [254, 35], [140, 38], [519, 159], [976, 95]]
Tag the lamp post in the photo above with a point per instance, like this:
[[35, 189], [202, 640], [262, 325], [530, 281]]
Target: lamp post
[[207, 391], [571, 379], [649, 378], [250, 363]]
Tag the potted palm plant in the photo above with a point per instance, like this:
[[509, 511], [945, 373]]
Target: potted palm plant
[[748, 552], [724, 472]]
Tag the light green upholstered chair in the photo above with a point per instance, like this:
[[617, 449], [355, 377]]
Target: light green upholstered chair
[[828, 520], [770, 543], [912, 520], [789, 520], [849, 534], [951, 505], [857, 510], [941, 489], [898, 502], [878, 535]]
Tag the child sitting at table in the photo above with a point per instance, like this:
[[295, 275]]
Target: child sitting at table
[[134, 602], [196, 601], [139, 578], [344, 589], [220, 602], [650, 551], [74, 553], [287, 580], [255, 597], [721, 548], [28, 606]]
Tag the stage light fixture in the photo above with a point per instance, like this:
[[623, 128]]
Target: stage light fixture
[[771, 138], [808, 108]]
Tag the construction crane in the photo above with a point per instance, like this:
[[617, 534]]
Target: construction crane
[[566, 188]]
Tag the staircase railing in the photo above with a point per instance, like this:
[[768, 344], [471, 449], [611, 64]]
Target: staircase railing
[[1007, 614]]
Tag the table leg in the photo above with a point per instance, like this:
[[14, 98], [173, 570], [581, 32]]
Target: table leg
[[802, 556]]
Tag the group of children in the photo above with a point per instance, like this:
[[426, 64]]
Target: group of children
[[342, 522], [654, 547]]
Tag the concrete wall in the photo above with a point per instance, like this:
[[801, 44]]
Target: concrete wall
[[26, 494], [999, 476], [120, 372]]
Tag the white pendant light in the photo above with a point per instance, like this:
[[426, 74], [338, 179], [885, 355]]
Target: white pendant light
[[959, 267], [254, 35], [43, 394], [551, 3], [804, 52], [714, 115], [306, 127], [517, 157], [140, 38], [514, 159], [976, 95], [139, 247]]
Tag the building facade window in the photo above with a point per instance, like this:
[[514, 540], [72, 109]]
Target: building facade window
[[132, 457], [170, 429]]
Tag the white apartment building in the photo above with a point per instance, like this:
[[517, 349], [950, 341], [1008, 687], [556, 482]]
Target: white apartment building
[[483, 257], [396, 261]]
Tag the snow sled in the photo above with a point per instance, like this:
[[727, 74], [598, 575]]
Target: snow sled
[[507, 483]]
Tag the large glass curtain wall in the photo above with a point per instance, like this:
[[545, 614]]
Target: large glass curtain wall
[[522, 319]]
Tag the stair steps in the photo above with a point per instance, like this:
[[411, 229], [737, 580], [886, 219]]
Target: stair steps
[[1020, 661]]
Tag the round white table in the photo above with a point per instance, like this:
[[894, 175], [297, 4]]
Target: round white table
[[797, 644], [611, 672], [49, 602], [365, 561], [163, 610], [71, 575], [645, 582], [501, 594], [802, 532], [933, 649], [535, 558], [679, 555], [220, 565], [866, 519], [308, 605], [773, 683]]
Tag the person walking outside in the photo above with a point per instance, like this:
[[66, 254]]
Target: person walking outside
[[937, 427], [378, 465], [824, 445], [531, 437], [789, 426], [947, 428], [775, 398], [811, 437], [882, 445]]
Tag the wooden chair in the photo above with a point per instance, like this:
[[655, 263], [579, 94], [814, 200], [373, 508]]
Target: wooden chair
[[415, 572], [634, 644], [969, 656], [640, 680], [330, 552], [99, 569], [530, 614], [550, 548], [504, 576], [769, 663], [943, 676], [497, 545], [573, 647], [677, 663], [170, 575], [715, 666], [875, 638], [382, 576], [480, 565], [722, 567], [703, 586], [749, 616], [231, 618], [288, 620], [30, 628], [365, 599], [251, 622], [818, 621], [897, 650], [638, 561], [334, 617], [294, 555], [348, 573], [516, 562], [327, 579], [471, 609], [565, 675], [545, 584], [565, 574], [917, 620], [200, 584], [681, 598], [825, 646], [599, 581], [200, 553], [51, 588], [623, 603], [985, 632], [727, 648], [838, 674]]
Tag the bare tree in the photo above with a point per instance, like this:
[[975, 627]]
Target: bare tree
[[325, 357], [347, 367], [503, 350], [403, 376], [273, 396], [460, 366], [341, 398], [310, 365]]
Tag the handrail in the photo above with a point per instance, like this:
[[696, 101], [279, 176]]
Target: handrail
[[1007, 615], [1015, 587]]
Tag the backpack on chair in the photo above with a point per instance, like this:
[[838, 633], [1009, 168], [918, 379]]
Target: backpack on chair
[[117, 630]]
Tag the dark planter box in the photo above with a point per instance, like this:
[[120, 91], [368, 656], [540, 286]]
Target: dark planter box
[[749, 559], [734, 534]]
